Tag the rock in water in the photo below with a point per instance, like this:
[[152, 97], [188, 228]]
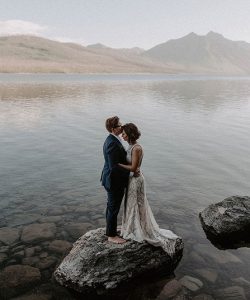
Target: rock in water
[[17, 279], [227, 223], [95, 265]]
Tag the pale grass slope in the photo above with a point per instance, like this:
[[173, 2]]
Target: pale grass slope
[[195, 54], [211, 53], [35, 54]]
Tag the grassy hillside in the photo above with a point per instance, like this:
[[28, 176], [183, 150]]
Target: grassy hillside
[[211, 53], [35, 54]]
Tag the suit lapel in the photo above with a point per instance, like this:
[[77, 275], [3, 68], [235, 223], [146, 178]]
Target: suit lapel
[[120, 145], [114, 138]]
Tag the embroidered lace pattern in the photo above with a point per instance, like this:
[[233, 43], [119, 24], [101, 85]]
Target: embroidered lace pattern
[[138, 222]]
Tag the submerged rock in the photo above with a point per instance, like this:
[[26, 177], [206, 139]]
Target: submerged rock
[[231, 293], [203, 297], [9, 235], [95, 265], [59, 246], [217, 256], [38, 232], [76, 230], [191, 283], [16, 279], [227, 223], [209, 274], [170, 290]]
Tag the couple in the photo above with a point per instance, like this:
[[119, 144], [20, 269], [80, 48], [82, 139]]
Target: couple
[[121, 176]]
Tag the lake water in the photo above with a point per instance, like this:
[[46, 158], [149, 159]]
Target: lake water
[[195, 135]]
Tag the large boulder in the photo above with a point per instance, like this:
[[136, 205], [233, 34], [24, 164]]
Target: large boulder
[[95, 265], [227, 223]]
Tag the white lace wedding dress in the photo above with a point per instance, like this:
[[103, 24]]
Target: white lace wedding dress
[[138, 222]]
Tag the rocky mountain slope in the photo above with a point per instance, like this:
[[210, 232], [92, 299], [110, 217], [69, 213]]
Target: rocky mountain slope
[[196, 54]]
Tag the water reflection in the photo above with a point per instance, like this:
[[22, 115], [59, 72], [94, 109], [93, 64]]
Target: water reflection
[[192, 96], [194, 134], [227, 243]]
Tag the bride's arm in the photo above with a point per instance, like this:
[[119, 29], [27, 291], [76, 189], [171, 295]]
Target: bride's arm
[[136, 156]]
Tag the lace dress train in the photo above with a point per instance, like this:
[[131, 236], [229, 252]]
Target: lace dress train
[[138, 222]]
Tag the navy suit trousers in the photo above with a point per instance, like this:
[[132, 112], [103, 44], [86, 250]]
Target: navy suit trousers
[[113, 207]]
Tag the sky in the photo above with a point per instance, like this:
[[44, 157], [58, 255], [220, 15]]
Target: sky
[[124, 23]]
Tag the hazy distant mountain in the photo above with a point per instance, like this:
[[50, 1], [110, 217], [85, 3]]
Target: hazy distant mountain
[[97, 46], [35, 54], [211, 53], [108, 50]]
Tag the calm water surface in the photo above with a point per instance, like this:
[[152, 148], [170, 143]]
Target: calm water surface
[[195, 135]]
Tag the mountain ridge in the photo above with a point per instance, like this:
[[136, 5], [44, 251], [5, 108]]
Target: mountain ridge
[[196, 54], [205, 53]]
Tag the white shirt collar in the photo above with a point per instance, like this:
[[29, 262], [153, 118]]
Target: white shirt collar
[[117, 136]]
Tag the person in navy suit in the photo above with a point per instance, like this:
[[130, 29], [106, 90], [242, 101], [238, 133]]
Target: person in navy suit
[[114, 178]]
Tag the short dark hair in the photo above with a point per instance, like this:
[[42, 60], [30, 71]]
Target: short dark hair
[[112, 123], [131, 131]]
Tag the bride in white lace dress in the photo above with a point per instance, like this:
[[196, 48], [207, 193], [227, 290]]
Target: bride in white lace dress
[[138, 222]]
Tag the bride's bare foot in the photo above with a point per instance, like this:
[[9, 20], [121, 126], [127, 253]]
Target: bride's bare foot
[[116, 240]]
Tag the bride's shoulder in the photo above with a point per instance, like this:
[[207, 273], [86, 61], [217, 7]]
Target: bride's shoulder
[[138, 147]]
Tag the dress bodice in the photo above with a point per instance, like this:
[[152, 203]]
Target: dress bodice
[[129, 154]]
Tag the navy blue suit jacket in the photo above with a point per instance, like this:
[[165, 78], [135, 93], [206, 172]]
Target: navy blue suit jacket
[[114, 176]]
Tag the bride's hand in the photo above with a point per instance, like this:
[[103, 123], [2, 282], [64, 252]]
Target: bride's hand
[[137, 173]]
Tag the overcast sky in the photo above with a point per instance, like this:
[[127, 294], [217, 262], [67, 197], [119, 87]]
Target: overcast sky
[[125, 23]]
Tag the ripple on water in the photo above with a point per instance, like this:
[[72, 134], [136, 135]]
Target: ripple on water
[[196, 152]]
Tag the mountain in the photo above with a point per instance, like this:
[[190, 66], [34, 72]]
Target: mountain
[[100, 48], [97, 46], [196, 54], [211, 53], [36, 54]]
